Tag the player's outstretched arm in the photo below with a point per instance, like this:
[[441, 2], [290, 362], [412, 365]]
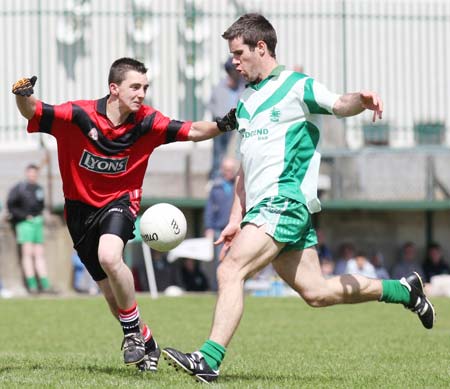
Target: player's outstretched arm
[[206, 130], [351, 104], [23, 89]]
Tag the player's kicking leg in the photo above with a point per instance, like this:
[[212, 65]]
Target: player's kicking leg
[[301, 270], [193, 364], [252, 250]]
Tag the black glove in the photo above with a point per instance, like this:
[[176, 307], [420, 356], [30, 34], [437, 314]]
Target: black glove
[[228, 122], [24, 87]]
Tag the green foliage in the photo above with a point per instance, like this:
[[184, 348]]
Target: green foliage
[[281, 343]]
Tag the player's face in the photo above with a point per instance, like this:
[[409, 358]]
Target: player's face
[[246, 61], [131, 91]]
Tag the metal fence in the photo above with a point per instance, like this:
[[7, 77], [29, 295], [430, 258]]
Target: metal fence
[[396, 47]]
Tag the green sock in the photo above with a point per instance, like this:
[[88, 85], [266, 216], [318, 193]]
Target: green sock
[[31, 283], [394, 292], [45, 283], [213, 353]]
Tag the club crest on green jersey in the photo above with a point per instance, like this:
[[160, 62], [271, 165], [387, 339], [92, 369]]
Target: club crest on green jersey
[[275, 115]]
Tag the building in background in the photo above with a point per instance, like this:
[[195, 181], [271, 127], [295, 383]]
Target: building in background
[[382, 185]]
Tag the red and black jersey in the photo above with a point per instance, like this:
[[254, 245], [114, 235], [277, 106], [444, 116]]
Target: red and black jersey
[[99, 162]]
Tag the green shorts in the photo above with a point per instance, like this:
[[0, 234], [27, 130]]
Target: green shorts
[[30, 231], [287, 221]]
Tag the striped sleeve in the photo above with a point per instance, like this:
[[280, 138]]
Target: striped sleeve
[[178, 131], [33, 123], [170, 130], [318, 98], [46, 117]]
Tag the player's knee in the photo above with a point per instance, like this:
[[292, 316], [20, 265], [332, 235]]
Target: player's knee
[[110, 262], [227, 272], [315, 297]]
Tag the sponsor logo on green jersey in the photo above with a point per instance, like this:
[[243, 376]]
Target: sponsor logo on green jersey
[[260, 133]]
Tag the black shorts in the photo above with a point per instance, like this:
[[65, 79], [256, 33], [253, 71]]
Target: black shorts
[[87, 223]]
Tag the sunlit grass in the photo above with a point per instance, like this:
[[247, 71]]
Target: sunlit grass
[[281, 343]]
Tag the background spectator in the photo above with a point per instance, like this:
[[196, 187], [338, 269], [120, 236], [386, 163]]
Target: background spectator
[[166, 274], [346, 252], [327, 267], [377, 261], [323, 251], [434, 263], [360, 265], [224, 96], [193, 279], [407, 262], [217, 211], [25, 207]]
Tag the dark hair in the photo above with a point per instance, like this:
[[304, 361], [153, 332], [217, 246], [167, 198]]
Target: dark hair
[[361, 253], [253, 28], [123, 65], [408, 244], [32, 166], [433, 246]]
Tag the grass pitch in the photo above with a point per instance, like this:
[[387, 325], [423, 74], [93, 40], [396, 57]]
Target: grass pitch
[[281, 343]]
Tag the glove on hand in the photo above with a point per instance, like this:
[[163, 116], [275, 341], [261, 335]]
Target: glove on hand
[[24, 87], [228, 122]]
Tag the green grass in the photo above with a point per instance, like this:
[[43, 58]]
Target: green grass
[[281, 343]]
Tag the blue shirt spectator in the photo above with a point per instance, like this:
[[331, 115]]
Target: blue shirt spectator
[[224, 96], [217, 211], [221, 196], [323, 251]]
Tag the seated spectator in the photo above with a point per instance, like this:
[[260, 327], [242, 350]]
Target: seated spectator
[[360, 265], [434, 263], [323, 251], [327, 267], [377, 261], [407, 263], [346, 252], [193, 279], [166, 274]]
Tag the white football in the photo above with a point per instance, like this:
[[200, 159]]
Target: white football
[[163, 227]]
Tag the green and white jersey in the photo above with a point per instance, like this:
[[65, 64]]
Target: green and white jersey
[[279, 125]]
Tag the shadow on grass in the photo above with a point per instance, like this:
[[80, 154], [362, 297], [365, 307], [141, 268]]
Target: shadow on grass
[[120, 371]]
